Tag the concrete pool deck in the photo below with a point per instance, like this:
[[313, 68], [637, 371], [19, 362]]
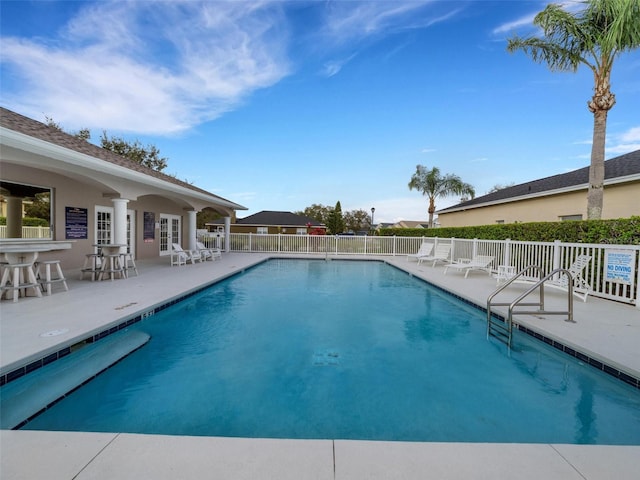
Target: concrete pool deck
[[34, 327]]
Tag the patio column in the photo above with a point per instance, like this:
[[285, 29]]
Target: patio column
[[14, 217], [120, 220], [227, 234], [191, 230]]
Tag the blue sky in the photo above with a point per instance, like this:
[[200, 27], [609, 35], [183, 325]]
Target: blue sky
[[279, 105]]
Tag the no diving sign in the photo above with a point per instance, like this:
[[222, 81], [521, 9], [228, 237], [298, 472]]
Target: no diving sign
[[620, 266]]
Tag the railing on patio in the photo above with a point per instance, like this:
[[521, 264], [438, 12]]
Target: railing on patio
[[613, 272], [29, 232]]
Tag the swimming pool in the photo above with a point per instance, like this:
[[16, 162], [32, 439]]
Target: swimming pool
[[343, 349]]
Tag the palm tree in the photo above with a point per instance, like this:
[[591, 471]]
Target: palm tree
[[434, 185], [594, 36]]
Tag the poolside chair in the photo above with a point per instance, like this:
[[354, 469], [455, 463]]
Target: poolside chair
[[424, 251], [208, 253], [580, 286], [479, 262], [441, 254], [179, 256]]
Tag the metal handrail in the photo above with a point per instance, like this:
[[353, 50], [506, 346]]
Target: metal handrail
[[517, 302]]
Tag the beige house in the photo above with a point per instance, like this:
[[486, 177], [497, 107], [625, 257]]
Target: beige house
[[552, 199], [95, 196]]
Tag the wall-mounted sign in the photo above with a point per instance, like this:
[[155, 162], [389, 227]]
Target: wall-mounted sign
[[76, 223], [149, 230], [620, 266]]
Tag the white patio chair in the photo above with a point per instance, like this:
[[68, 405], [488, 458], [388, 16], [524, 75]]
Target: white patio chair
[[581, 288], [179, 256], [479, 262], [441, 254], [424, 251], [208, 253]]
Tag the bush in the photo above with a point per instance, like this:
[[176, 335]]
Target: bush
[[28, 222], [620, 231]]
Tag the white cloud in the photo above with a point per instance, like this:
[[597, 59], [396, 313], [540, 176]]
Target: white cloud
[[631, 135], [527, 20], [149, 67]]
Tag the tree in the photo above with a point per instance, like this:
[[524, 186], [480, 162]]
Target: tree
[[594, 36], [499, 186], [82, 134], [434, 185], [318, 212], [357, 220], [335, 222], [148, 156], [40, 207]]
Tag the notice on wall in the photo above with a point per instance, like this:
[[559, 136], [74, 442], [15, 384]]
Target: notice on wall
[[620, 266], [149, 229], [76, 224]]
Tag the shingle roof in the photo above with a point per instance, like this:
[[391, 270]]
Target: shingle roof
[[25, 125], [622, 166], [267, 217]]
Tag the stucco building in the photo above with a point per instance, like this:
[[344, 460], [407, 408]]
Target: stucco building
[[95, 195], [552, 199]]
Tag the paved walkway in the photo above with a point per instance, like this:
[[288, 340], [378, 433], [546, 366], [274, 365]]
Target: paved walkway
[[35, 327]]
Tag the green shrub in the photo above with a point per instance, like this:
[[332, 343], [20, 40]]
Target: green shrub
[[28, 222], [620, 231]]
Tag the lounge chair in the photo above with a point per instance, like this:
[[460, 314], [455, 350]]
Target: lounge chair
[[441, 254], [479, 262], [424, 251], [179, 256], [580, 286], [208, 253]]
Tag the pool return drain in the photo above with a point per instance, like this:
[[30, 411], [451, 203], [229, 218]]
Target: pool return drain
[[323, 358]]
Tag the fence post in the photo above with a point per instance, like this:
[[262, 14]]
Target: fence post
[[637, 286], [557, 255], [250, 248], [474, 251], [394, 245], [507, 252]]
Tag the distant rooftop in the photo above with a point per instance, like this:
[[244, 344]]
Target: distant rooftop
[[617, 168]]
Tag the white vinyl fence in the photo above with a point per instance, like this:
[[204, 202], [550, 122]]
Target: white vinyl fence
[[29, 232], [613, 272]]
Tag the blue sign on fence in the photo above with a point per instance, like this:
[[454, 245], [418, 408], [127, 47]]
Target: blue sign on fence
[[620, 266]]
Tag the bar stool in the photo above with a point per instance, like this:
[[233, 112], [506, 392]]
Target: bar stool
[[128, 263], [17, 277], [111, 265], [46, 282], [92, 265]]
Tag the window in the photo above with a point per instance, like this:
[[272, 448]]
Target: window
[[301, 231], [27, 210], [262, 230], [568, 218]]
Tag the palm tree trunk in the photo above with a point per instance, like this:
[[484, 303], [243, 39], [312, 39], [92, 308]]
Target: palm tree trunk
[[431, 210], [595, 193]]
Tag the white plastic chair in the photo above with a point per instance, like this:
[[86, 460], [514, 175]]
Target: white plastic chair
[[179, 256], [424, 251], [479, 262]]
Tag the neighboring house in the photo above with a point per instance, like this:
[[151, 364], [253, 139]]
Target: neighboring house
[[96, 196], [552, 199], [270, 222], [411, 224]]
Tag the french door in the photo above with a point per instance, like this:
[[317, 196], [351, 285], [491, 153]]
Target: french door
[[170, 228]]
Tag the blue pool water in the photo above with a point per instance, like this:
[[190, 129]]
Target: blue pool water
[[350, 350]]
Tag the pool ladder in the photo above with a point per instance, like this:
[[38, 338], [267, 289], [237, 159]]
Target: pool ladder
[[503, 330]]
